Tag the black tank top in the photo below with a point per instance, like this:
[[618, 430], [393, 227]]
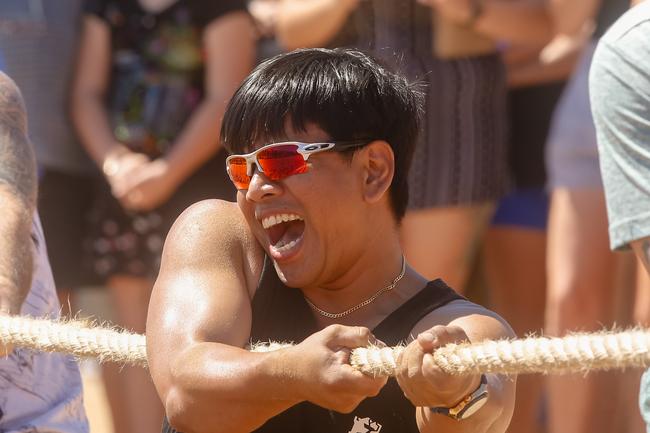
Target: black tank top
[[281, 314]]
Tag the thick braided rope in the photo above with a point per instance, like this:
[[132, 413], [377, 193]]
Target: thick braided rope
[[74, 337], [574, 353]]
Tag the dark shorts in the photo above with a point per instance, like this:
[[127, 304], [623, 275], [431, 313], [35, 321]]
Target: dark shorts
[[63, 202], [531, 111], [526, 208], [91, 238]]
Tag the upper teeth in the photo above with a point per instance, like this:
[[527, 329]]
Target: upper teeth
[[278, 219]]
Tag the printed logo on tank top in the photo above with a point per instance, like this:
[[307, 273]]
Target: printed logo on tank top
[[365, 425]]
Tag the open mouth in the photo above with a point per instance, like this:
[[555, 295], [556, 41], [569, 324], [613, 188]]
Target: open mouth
[[284, 231]]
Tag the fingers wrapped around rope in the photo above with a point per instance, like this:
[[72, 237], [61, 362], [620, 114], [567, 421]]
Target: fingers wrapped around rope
[[574, 353]]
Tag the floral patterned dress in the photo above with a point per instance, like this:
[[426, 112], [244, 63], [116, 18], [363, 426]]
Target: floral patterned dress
[[156, 82]]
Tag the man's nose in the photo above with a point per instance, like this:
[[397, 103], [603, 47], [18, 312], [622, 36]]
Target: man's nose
[[261, 187]]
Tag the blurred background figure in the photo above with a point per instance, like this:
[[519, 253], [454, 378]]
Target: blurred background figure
[[152, 81], [38, 45], [38, 41], [265, 15], [514, 249], [460, 166], [619, 86], [39, 391], [585, 285]]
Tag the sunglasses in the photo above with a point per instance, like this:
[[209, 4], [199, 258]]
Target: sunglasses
[[280, 160]]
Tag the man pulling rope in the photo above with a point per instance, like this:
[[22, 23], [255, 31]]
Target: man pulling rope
[[322, 142]]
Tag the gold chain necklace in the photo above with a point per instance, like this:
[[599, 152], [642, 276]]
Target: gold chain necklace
[[389, 287]]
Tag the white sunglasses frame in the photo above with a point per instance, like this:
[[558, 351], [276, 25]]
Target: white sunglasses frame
[[304, 149]]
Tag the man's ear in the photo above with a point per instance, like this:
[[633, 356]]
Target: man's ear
[[379, 165]]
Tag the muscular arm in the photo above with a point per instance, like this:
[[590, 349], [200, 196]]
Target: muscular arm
[[17, 199], [479, 324], [199, 321]]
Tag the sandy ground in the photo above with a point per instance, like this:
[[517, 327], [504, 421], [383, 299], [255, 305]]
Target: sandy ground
[[94, 303], [95, 401]]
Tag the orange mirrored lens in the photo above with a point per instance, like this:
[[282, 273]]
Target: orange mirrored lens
[[237, 172], [281, 161]]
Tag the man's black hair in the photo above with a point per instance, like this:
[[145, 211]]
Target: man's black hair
[[346, 93]]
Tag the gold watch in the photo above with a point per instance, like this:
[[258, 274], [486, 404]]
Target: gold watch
[[468, 405]]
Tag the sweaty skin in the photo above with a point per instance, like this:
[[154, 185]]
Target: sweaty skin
[[200, 311]]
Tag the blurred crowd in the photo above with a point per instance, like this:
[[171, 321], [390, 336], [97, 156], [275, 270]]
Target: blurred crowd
[[506, 200]]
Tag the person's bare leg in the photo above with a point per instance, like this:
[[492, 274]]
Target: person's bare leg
[[641, 317], [111, 375], [441, 242], [581, 296], [141, 409], [515, 272], [642, 301]]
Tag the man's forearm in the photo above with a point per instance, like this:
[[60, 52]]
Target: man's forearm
[[220, 388], [17, 199]]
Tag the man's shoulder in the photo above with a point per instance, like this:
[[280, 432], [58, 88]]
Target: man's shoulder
[[211, 211], [211, 217], [212, 225]]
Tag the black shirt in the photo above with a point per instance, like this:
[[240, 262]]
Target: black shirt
[[281, 314]]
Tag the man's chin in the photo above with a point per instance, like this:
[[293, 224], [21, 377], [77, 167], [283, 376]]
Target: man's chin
[[295, 274]]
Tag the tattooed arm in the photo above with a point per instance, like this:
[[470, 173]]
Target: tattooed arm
[[17, 199]]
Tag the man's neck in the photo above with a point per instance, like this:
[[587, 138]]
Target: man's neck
[[356, 293]]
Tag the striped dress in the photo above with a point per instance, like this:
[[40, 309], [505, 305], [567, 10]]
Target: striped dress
[[461, 157]]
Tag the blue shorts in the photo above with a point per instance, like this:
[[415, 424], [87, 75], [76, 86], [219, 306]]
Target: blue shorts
[[526, 207]]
